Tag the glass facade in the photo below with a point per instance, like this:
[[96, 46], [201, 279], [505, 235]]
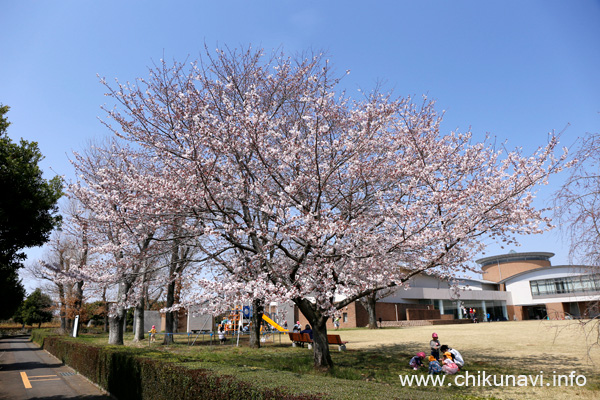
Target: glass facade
[[570, 284], [460, 308]]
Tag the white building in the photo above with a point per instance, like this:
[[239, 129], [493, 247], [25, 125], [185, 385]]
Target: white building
[[515, 286]]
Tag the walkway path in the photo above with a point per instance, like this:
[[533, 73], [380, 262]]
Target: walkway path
[[27, 372]]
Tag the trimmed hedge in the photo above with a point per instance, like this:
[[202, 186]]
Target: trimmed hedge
[[127, 375]]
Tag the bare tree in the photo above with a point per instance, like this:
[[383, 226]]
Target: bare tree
[[66, 253], [577, 208]]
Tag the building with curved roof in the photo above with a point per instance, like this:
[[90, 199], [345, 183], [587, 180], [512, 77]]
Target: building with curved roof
[[514, 286], [538, 289]]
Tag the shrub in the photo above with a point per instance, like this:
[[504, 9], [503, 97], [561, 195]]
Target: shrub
[[127, 374]]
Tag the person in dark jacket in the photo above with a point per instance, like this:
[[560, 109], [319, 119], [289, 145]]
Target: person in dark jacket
[[307, 329]]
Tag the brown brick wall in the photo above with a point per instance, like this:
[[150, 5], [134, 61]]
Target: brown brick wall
[[416, 314], [386, 311], [360, 314], [515, 310], [555, 310], [497, 272], [357, 315], [402, 308], [350, 311]]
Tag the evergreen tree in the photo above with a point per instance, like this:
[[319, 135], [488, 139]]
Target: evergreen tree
[[36, 309], [28, 211]]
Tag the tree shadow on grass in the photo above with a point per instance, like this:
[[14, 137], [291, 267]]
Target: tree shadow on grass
[[493, 361]]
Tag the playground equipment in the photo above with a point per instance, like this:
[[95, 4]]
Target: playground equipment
[[234, 319], [274, 324]]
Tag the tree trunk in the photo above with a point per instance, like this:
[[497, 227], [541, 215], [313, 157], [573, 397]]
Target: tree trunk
[[63, 308], [318, 322], [370, 304], [118, 316], [78, 300], [139, 321], [115, 326], [177, 297], [258, 309], [168, 339], [105, 303]]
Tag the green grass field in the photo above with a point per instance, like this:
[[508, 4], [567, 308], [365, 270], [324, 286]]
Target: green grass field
[[539, 351]]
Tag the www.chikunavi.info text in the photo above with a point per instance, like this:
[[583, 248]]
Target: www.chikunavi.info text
[[483, 379]]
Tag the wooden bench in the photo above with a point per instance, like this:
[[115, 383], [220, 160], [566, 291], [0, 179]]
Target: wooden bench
[[336, 339], [298, 338], [301, 338]]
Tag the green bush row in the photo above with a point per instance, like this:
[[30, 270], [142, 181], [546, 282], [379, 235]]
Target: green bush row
[[127, 375]]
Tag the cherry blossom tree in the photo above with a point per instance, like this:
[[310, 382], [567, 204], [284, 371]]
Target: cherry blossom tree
[[306, 194], [120, 234], [135, 231]]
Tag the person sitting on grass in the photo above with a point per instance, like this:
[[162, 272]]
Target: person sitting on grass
[[456, 356], [434, 366], [417, 361], [449, 367]]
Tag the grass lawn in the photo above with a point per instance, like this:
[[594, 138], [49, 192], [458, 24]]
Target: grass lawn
[[371, 366]]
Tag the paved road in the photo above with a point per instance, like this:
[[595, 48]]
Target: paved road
[[27, 372]]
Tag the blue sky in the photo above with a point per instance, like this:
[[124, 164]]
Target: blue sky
[[515, 69]]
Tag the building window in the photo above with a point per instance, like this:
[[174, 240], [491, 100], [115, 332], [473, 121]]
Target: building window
[[344, 317], [569, 284]]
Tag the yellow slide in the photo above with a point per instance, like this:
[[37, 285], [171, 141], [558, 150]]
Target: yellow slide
[[274, 324]]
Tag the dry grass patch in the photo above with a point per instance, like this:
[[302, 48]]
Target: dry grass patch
[[534, 344], [504, 348]]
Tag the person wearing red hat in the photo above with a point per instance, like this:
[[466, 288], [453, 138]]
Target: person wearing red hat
[[417, 361], [435, 346], [297, 327], [153, 333]]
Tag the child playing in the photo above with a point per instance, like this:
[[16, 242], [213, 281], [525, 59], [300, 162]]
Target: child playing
[[153, 333], [456, 356], [221, 332], [417, 361], [435, 346], [434, 366], [449, 367]]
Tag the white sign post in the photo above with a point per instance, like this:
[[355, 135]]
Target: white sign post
[[76, 326]]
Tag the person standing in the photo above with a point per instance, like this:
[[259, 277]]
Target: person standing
[[153, 333], [435, 346], [221, 331]]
